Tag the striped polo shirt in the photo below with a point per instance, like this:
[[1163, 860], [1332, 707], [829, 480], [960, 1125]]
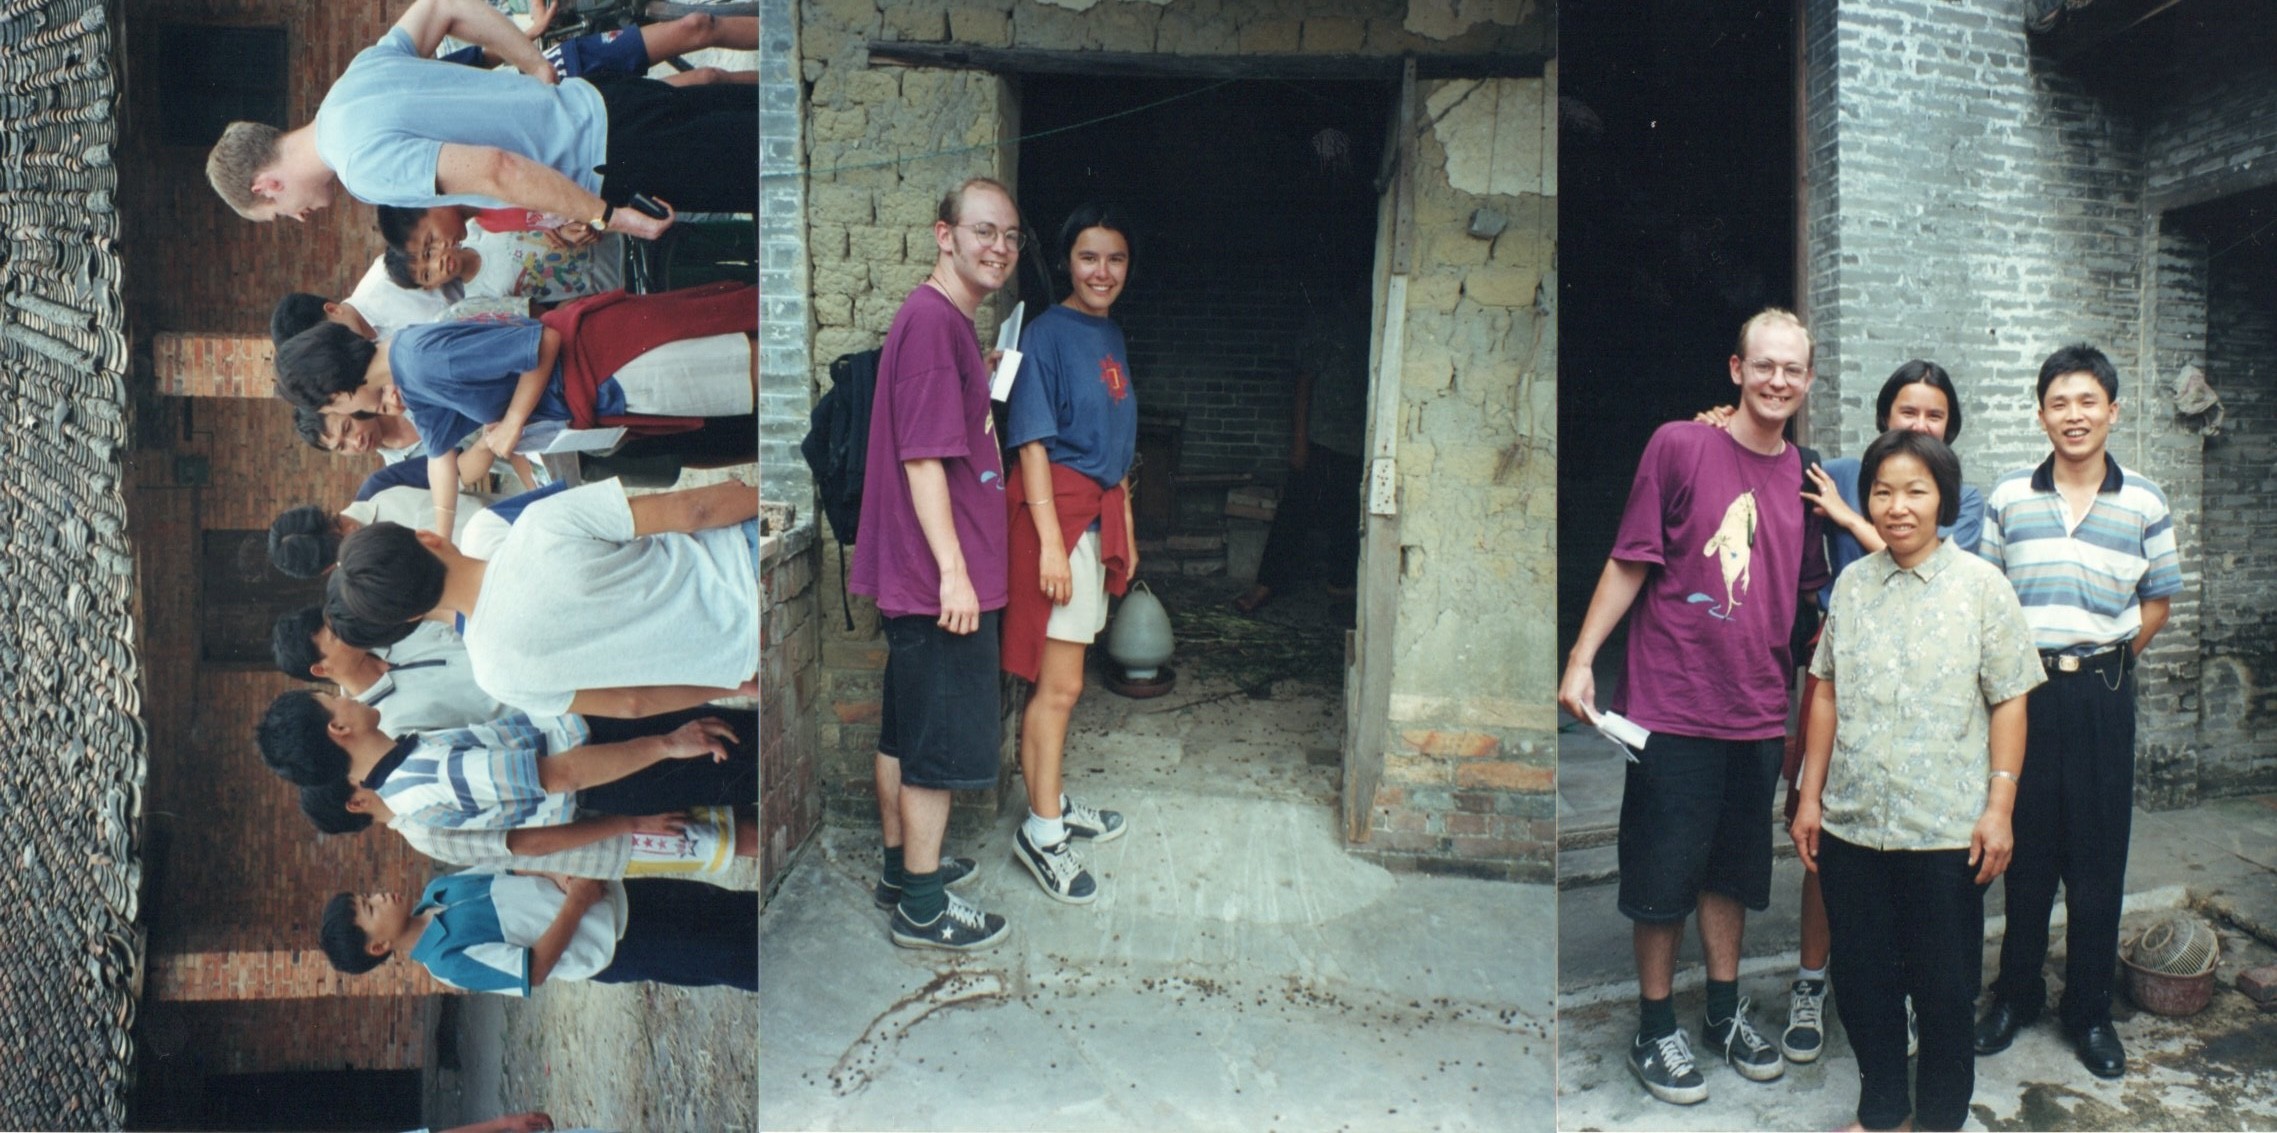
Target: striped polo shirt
[[2082, 585], [482, 776]]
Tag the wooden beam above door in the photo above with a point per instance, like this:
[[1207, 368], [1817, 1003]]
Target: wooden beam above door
[[1128, 64]]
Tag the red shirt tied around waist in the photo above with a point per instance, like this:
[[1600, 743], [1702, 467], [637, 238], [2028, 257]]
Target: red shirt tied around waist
[[1079, 502]]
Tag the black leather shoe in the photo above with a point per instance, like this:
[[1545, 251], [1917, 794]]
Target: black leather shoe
[[2100, 1052], [1999, 1026]]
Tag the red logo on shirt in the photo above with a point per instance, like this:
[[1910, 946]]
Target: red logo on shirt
[[1111, 375]]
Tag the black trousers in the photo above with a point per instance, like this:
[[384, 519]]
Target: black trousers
[[677, 784], [687, 933], [695, 148], [1906, 923], [2074, 810], [1323, 497]]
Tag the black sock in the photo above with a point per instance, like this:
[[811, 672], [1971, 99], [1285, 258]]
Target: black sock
[[923, 900], [1723, 1000], [892, 871], [1656, 1019]]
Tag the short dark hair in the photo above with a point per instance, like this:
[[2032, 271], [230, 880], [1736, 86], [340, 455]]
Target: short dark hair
[[295, 742], [343, 939], [327, 809], [386, 575], [303, 541], [2073, 359], [321, 362], [292, 642], [1921, 371], [310, 425], [358, 631], [397, 263], [1094, 214], [295, 313], [396, 224], [1934, 455]]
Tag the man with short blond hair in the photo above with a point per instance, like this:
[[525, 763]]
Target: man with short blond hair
[[1711, 557], [931, 549]]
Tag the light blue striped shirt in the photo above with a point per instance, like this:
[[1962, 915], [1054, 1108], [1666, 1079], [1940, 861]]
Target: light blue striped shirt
[[2082, 585], [484, 776]]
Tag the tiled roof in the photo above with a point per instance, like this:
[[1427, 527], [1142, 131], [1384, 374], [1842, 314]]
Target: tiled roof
[[73, 754]]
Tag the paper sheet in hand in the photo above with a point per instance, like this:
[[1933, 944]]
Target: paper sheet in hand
[[1008, 341], [1621, 730], [547, 438]]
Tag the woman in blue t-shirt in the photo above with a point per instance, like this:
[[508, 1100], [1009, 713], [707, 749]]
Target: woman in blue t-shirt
[[1074, 422]]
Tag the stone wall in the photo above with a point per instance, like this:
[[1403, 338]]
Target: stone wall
[[2237, 686], [1472, 775], [1470, 767]]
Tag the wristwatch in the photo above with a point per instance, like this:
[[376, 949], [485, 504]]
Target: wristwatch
[[601, 223]]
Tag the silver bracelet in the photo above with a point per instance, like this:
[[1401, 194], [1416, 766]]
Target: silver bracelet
[[1997, 773]]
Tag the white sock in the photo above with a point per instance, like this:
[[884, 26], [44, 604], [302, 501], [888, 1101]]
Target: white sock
[[1044, 831], [1802, 973]]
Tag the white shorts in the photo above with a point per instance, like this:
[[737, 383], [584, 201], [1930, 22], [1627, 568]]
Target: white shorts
[[1086, 611], [694, 377], [705, 848]]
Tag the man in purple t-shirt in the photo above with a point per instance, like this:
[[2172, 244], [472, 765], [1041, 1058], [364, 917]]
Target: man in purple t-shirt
[[1708, 565], [930, 548]]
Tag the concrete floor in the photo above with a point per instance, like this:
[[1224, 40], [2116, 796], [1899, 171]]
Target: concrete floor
[[2213, 1070], [1239, 971]]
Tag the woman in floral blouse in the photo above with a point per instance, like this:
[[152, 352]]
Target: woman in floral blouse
[[1915, 740]]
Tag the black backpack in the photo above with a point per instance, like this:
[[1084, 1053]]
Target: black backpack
[[836, 447]]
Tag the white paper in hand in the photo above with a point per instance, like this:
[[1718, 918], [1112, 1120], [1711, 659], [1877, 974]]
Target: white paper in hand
[[1621, 730], [1008, 341]]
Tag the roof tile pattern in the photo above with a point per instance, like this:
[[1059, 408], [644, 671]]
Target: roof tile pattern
[[73, 756]]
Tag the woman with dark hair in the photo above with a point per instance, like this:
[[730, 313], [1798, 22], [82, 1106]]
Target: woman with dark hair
[[1075, 423], [1918, 397], [1915, 741]]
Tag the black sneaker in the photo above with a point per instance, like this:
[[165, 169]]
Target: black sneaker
[[959, 928], [1089, 821], [1665, 1067], [1735, 1039], [1805, 1035], [954, 872], [1056, 868]]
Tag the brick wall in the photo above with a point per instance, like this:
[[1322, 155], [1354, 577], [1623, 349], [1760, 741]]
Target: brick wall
[[786, 325], [2237, 690], [790, 654], [1217, 341]]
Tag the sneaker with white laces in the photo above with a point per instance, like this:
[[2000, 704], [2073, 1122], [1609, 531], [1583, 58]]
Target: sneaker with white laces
[[1090, 822], [1805, 1035], [1665, 1067], [1736, 1040], [1912, 1030], [1056, 868], [959, 928], [954, 872]]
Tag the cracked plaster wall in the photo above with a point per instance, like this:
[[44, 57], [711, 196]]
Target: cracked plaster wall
[[1472, 774]]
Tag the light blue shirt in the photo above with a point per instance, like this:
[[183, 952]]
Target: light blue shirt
[[383, 124]]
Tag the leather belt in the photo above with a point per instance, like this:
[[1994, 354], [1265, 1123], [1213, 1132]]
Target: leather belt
[[2077, 662]]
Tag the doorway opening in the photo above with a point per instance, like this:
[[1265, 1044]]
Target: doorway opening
[[1256, 206]]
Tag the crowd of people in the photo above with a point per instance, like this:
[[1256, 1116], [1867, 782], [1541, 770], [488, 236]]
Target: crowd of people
[[1968, 715], [522, 686]]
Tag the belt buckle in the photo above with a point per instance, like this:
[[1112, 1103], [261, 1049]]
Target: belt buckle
[[2068, 663]]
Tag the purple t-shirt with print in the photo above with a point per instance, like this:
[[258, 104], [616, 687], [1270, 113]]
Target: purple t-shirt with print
[[1708, 635], [932, 401]]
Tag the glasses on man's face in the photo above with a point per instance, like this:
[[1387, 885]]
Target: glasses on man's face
[[1764, 368], [989, 234]]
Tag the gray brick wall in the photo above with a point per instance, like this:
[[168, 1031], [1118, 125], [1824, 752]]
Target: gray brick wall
[[1218, 342], [785, 305], [2214, 130], [2238, 701]]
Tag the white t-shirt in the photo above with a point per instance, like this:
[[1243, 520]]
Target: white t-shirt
[[390, 308], [413, 508], [574, 601], [524, 265]]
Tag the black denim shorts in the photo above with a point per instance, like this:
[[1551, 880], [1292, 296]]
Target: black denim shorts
[[1696, 815], [940, 714]]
